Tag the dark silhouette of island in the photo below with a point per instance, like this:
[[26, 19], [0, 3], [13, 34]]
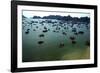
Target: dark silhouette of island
[[64, 18]]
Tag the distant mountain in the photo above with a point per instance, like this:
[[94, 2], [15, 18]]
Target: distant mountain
[[63, 18], [36, 17]]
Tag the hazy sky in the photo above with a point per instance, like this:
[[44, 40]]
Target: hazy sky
[[42, 13]]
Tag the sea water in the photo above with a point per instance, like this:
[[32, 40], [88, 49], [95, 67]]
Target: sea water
[[55, 45]]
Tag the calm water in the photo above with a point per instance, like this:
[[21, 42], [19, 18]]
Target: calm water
[[55, 43]]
